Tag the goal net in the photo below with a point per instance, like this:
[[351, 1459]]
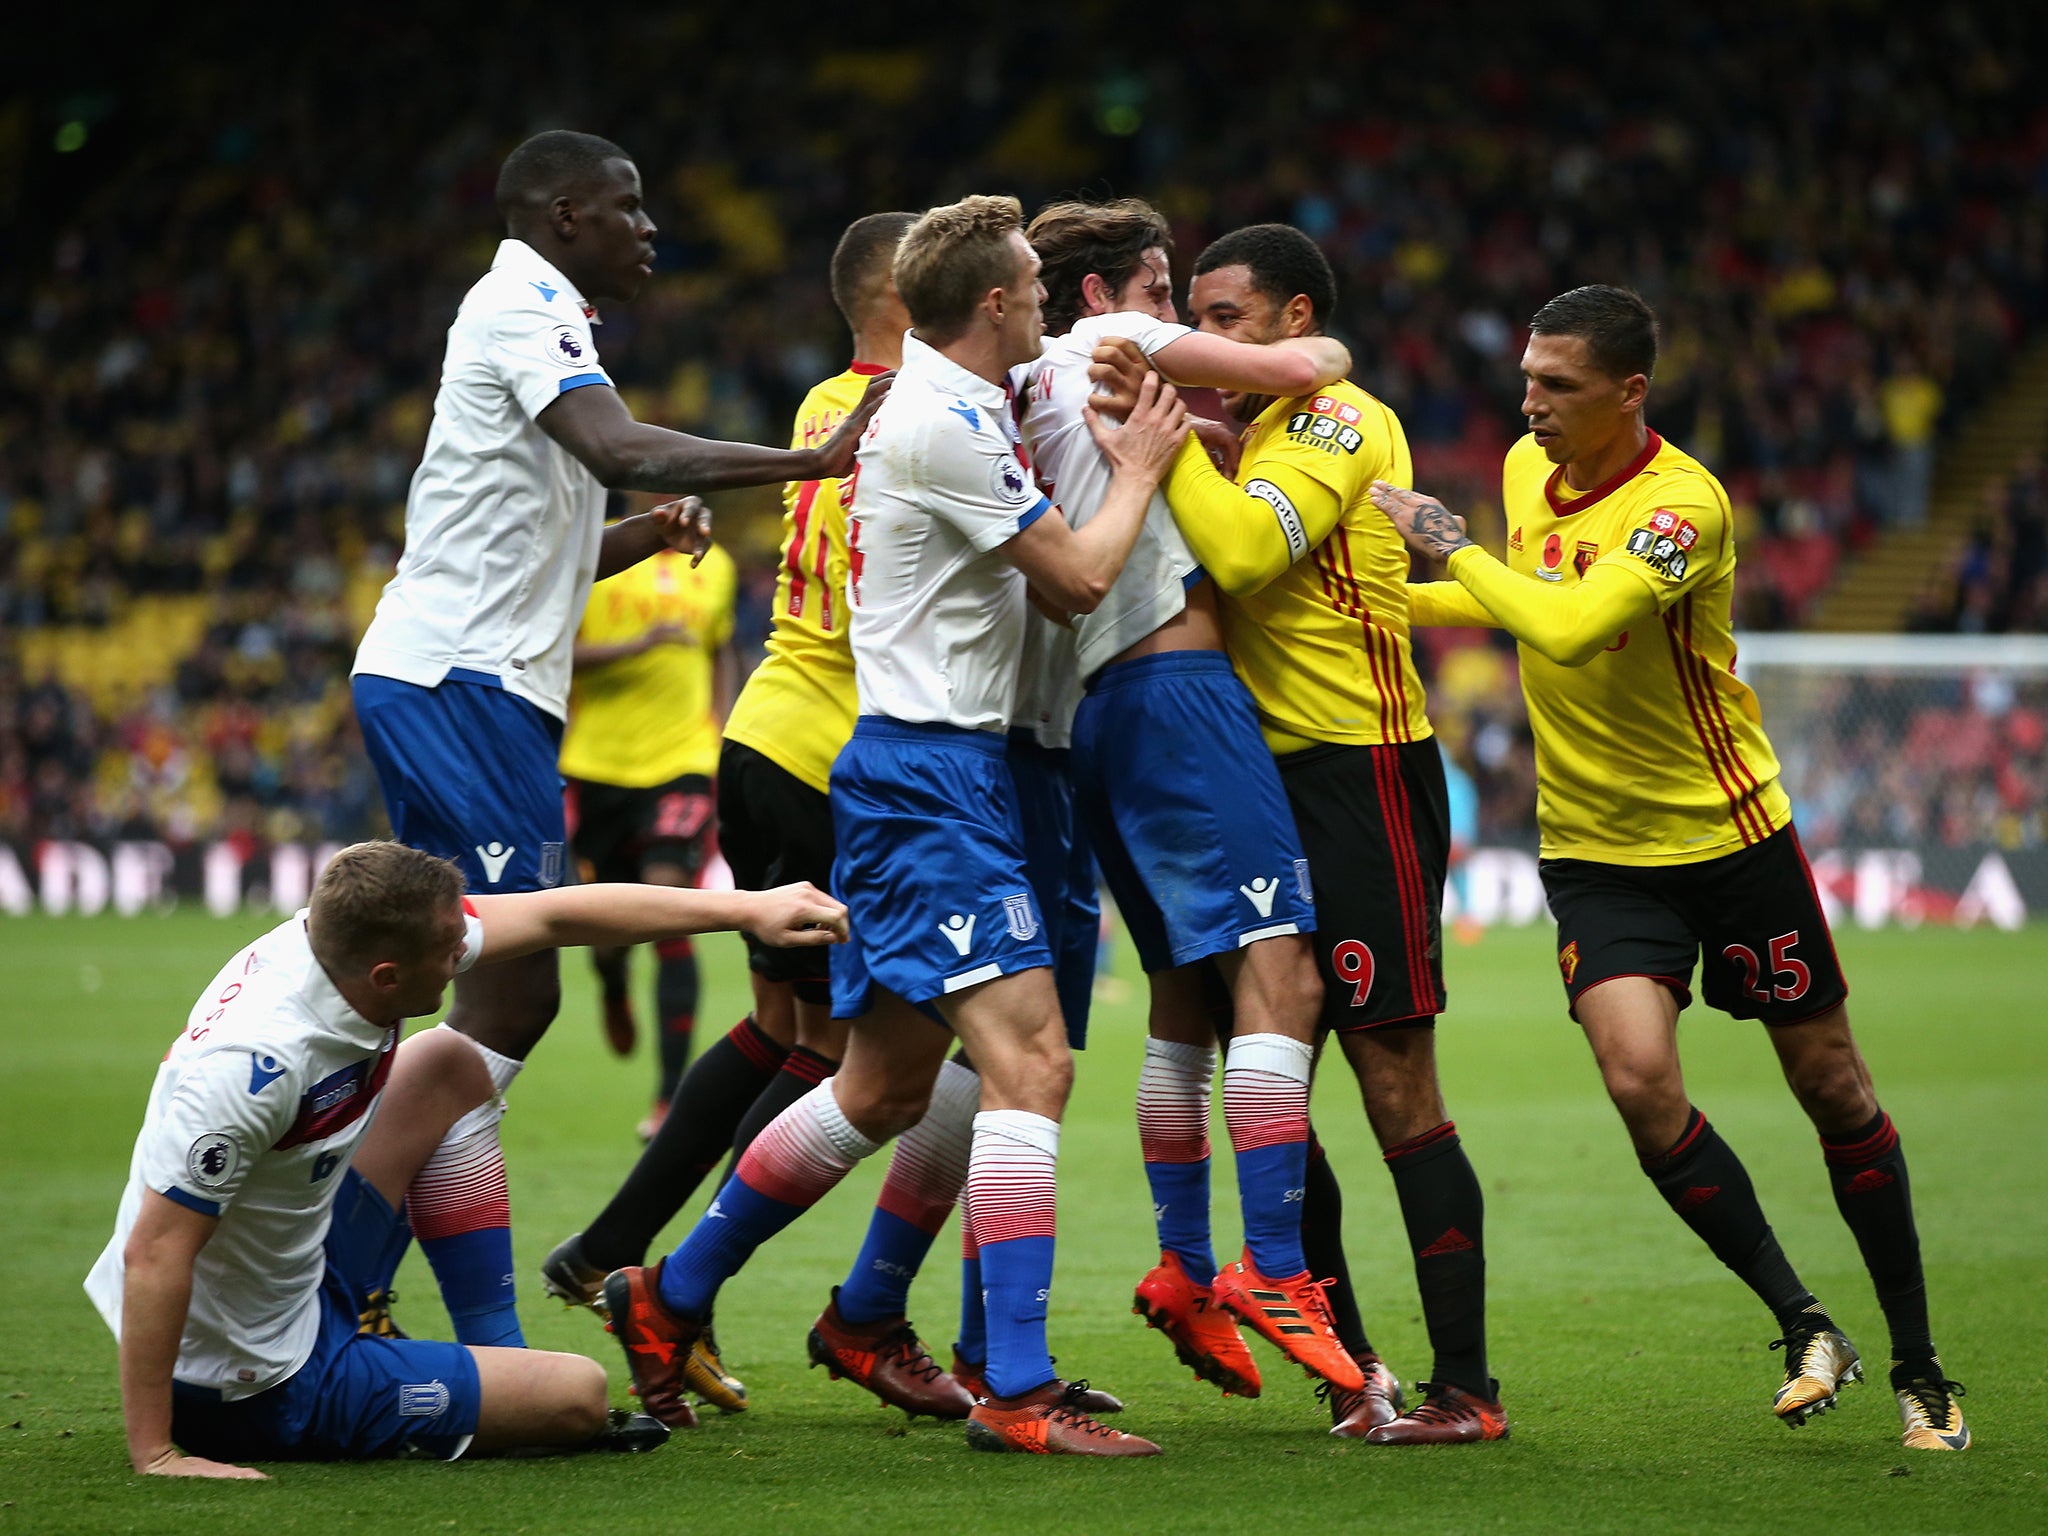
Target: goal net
[[1917, 767]]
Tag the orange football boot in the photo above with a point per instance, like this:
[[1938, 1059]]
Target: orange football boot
[[1291, 1314], [657, 1342], [1203, 1336]]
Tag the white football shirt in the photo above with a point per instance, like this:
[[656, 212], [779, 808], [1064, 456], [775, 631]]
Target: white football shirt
[[937, 612], [502, 525], [255, 1114], [1152, 587]]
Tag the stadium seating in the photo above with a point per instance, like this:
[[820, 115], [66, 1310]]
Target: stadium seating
[[223, 333]]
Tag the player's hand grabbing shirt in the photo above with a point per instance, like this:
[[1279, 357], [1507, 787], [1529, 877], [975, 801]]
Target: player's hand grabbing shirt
[[1314, 578], [1051, 393], [256, 1113], [502, 525], [938, 618], [1649, 749]]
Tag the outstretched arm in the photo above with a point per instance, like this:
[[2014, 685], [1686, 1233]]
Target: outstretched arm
[[1293, 366], [628, 455], [519, 923], [156, 1293], [1569, 625]]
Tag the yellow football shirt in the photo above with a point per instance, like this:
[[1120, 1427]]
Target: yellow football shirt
[[797, 709], [643, 720], [1315, 601], [1653, 751]]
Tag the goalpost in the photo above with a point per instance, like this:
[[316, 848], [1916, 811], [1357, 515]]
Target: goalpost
[[1917, 767]]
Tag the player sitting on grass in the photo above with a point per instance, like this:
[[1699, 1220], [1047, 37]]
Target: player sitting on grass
[[1666, 833], [265, 1202]]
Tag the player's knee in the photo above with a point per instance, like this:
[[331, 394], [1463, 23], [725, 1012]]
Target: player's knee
[[448, 1060], [1640, 1090], [578, 1406], [1832, 1089]]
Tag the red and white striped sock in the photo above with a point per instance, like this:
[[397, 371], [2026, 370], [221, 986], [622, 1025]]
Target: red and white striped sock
[[805, 1150], [1173, 1134], [461, 1212], [1011, 1201], [1265, 1104], [929, 1166]]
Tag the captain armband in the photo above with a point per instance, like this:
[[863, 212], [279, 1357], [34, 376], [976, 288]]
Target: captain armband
[[1284, 510]]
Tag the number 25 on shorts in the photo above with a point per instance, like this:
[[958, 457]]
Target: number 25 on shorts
[[1789, 976]]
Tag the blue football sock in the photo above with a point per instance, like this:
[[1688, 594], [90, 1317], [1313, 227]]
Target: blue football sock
[[1270, 1181], [737, 1222], [1016, 1276], [1180, 1206], [474, 1271], [879, 1284], [972, 1344]]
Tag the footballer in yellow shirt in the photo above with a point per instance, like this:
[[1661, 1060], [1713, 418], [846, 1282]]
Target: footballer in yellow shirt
[[1667, 839], [654, 673], [1314, 603]]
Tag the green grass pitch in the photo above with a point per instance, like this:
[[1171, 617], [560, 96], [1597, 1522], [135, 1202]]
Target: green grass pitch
[[1634, 1368]]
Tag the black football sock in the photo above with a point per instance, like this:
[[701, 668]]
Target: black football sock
[[802, 1070], [1445, 1214], [675, 1005], [1867, 1167], [1322, 1241], [613, 965], [1702, 1179], [702, 1116]]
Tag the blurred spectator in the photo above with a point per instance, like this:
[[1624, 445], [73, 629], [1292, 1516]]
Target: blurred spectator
[[224, 312]]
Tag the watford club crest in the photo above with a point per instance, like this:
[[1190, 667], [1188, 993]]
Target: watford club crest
[[1568, 961]]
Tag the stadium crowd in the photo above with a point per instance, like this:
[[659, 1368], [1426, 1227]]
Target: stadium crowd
[[221, 354]]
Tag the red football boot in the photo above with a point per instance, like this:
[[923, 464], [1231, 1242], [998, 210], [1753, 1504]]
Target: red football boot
[[1447, 1415], [890, 1360], [1048, 1422], [657, 1342]]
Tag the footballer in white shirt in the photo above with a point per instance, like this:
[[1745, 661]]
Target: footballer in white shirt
[[1164, 735], [946, 529], [461, 683], [265, 1202]]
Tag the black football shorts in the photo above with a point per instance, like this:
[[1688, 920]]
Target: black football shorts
[[619, 831], [1375, 823], [774, 829], [1752, 918]]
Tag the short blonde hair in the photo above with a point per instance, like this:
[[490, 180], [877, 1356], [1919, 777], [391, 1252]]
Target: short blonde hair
[[951, 257], [379, 901]]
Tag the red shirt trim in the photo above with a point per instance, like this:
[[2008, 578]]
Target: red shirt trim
[[865, 369], [1606, 488]]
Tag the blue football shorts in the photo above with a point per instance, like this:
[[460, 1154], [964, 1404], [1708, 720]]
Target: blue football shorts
[[357, 1397], [1184, 806], [930, 864], [1061, 868], [468, 772]]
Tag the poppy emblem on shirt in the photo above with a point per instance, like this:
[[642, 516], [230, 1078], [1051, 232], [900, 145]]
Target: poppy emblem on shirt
[[1553, 557]]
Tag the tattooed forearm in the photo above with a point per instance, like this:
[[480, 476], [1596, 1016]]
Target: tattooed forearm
[[1438, 530]]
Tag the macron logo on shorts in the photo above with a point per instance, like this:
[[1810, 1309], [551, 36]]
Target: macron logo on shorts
[[494, 857], [422, 1400], [1260, 894], [959, 932]]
